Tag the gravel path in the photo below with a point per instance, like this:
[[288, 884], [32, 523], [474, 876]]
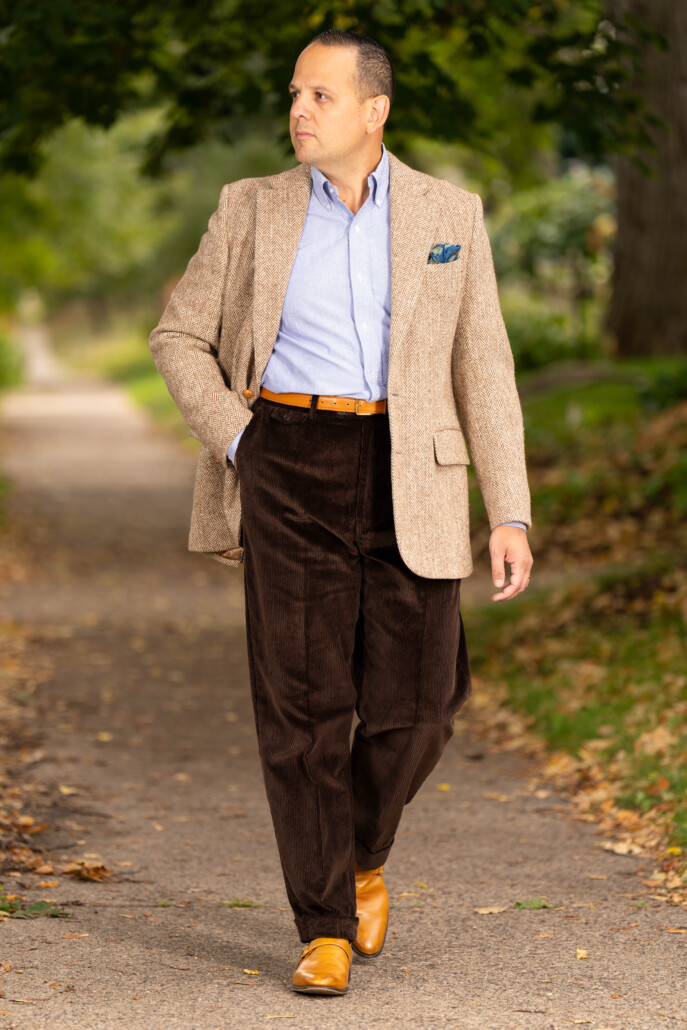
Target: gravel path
[[143, 742]]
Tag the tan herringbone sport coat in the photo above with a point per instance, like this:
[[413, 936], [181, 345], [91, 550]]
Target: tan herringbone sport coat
[[451, 372]]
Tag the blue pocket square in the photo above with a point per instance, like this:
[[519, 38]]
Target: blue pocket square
[[442, 252]]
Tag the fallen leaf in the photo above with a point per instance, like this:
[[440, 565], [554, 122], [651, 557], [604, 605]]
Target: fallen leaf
[[676, 929], [653, 742], [87, 870], [581, 953], [252, 972], [490, 910], [104, 736], [619, 847], [443, 786], [419, 884]]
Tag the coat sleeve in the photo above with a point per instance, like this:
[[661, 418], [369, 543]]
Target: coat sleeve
[[484, 386], [185, 343]]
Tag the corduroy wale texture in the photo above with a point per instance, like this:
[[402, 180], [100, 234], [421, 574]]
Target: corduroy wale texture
[[451, 379], [337, 623]]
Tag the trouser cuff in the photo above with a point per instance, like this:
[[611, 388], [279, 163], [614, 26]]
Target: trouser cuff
[[327, 926], [371, 859]]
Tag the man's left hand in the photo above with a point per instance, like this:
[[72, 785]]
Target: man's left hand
[[510, 544]]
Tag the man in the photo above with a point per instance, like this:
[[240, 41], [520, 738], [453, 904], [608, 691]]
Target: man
[[336, 344]]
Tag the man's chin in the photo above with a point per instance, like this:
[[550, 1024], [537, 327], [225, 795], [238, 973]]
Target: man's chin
[[305, 146]]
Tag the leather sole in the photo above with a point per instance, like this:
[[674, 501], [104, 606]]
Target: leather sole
[[316, 989]]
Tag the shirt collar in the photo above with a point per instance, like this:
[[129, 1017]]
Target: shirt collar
[[377, 180]]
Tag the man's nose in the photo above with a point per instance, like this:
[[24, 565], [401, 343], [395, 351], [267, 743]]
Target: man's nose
[[300, 110]]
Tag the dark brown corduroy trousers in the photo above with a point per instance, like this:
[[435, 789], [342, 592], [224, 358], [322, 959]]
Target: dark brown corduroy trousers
[[336, 623]]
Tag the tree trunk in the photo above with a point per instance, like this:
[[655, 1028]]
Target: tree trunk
[[647, 314]]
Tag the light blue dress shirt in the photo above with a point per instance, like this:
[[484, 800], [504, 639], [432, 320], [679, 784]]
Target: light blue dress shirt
[[333, 336]]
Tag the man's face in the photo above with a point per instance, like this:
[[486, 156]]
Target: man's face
[[327, 123]]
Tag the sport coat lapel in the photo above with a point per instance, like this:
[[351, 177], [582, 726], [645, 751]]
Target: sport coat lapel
[[415, 224], [282, 204]]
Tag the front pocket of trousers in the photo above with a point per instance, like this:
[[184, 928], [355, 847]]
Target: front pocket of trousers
[[287, 441], [245, 436]]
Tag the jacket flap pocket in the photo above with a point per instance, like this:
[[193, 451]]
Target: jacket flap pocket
[[450, 447]]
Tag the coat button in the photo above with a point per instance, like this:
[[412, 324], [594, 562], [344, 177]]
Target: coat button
[[247, 393], [287, 416]]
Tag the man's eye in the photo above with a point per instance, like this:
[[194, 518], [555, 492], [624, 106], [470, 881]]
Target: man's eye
[[322, 95]]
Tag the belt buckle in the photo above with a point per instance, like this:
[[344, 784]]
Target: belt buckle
[[358, 402]]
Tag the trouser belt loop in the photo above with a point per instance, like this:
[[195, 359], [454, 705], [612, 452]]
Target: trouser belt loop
[[313, 405]]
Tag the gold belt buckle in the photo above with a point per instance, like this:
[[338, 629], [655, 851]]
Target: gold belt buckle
[[358, 402]]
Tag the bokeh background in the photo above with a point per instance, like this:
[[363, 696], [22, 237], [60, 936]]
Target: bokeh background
[[119, 124]]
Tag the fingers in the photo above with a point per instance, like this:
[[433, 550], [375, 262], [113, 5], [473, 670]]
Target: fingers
[[520, 561], [519, 579]]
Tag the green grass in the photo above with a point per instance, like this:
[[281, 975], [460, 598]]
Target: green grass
[[565, 416], [604, 665], [11, 363]]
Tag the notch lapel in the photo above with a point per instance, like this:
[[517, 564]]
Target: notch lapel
[[280, 216], [415, 225]]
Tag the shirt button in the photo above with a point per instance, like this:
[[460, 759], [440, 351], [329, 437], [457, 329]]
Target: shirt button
[[358, 276], [364, 325], [329, 207], [357, 228]]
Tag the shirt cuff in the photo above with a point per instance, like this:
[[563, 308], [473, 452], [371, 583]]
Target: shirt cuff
[[231, 449], [522, 525]]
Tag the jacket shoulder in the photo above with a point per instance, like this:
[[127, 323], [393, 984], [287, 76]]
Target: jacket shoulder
[[444, 190], [250, 185]]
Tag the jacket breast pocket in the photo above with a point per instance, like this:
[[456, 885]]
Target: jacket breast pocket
[[450, 447]]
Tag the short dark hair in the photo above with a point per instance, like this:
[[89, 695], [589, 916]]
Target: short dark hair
[[375, 76]]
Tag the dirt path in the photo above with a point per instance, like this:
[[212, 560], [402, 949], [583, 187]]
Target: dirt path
[[146, 715]]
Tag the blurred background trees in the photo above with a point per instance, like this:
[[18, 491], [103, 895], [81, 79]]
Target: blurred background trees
[[119, 123]]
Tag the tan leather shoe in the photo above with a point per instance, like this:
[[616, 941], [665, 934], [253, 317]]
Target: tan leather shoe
[[324, 966], [372, 911]]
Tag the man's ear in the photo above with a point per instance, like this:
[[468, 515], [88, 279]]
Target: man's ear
[[378, 112]]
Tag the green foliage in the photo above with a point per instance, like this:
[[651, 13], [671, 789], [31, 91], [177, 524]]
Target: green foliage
[[217, 68], [534, 903], [665, 387], [542, 331], [241, 903], [89, 225], [11, 363], [554, 241], [602, 662], [18, 909]]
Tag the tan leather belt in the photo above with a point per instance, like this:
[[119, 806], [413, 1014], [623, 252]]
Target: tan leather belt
[[303, 400]]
